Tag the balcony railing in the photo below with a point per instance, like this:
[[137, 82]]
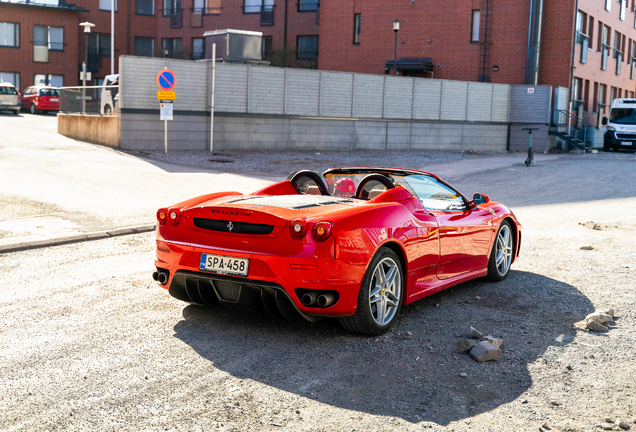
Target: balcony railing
[[619, 61], [175, 15], [267, 15], [604, 56]]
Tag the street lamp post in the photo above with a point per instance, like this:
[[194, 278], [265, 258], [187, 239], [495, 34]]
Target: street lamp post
[[396, 28], [87, 29]]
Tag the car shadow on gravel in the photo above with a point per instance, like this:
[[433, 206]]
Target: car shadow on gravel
[[412, 372]]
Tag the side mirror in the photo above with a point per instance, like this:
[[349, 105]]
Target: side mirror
[[604, 121], [480, 199]]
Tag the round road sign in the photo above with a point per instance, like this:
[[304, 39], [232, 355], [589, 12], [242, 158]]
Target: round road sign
[[166, 79]]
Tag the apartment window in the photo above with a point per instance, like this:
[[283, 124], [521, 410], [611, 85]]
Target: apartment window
[[612, 94], [576, 93], [308, 5], [267, 48], [586, 95], [144, 46], [145, 7], [9, 35], [45, 39], [257, 6], [99, 44], [590, 31], [48, 80], [581, 24], [617, 44], [595, 103], [602, 91], [11, 77], [207, 7], [104, 5], [307, 47], [356, 28], [172, 48], [608, 5], [623, 9], [474, 27], [197, 48]]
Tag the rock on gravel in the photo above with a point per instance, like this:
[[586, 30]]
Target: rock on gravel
[[595, 326], [474, 333], [599, 317], [493, 340], [485, 351], [464, 345]]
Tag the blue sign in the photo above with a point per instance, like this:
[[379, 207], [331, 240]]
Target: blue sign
[[166, 79]]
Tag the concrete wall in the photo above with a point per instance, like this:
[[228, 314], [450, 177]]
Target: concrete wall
[[90, 128], [265, 108]]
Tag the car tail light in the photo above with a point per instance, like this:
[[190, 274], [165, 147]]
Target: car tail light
[[162, 216], [322, 230], [298, 227], [174, 215]]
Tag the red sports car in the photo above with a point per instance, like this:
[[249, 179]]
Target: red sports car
[[353, 243]]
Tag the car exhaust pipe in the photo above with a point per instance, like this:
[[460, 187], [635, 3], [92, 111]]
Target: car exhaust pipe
[[309, 298], [161, 276], [326, 300]]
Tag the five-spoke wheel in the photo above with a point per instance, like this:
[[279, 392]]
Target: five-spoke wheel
[[380, 296], [501, 254]]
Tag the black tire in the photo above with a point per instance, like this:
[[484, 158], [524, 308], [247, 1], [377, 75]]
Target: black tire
[[33, 110], [16, 112], [503, 245], [107, 110], [606, 147], [368, 318]]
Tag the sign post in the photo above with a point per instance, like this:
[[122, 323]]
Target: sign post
[[166, 80]]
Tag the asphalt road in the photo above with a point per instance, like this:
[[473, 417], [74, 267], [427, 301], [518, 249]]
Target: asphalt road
[[90, 342]]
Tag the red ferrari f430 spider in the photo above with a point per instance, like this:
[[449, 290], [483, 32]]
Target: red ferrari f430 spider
[[353, 243]]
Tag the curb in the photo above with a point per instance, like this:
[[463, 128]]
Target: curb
[[76, 238]]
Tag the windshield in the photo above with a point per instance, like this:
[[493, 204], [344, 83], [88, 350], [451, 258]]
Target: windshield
[[49, 92], [623, 116], [7, 90]]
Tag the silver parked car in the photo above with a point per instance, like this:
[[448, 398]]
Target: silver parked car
[[9, 98]]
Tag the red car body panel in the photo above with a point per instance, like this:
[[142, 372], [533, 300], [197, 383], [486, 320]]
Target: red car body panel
[[438, 248]]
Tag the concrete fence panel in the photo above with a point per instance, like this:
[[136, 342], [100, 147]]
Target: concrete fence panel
[[479, 102], [500, 102], [302, 92], [427, 99], [230, 93], [398, 97], [368, 95], [336, 94], [266, 92], [454, 100]]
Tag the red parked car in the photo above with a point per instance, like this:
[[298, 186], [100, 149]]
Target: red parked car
[[40, 99], [353, 243]]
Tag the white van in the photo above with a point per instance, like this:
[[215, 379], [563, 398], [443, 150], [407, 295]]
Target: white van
[[109, 97], [621, 126]]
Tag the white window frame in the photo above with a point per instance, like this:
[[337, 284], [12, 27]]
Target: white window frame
[[16, 34], [475, 24], [104, 5]]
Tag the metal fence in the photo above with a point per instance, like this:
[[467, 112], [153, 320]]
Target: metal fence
[[95, 100]]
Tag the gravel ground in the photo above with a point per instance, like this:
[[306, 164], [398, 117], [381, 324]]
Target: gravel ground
[[89, 342], [283, 162]]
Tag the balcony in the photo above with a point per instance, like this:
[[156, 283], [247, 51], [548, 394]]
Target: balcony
[[175, 15]]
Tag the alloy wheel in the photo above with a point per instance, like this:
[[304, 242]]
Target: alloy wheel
[[384, 295], [504, 250]]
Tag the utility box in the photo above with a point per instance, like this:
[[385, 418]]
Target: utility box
[[235, 46]]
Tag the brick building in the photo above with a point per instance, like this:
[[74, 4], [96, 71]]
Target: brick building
[[153, 28], [483, 40]]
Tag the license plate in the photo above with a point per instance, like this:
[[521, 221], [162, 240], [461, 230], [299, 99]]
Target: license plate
[[55, 100], [626, 143], [224, 265]]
